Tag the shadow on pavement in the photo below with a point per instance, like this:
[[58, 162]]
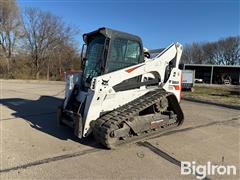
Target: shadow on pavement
[[41, 115]]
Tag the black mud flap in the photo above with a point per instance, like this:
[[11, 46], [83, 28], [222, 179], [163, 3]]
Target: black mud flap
[[72, 120], [59, 115], [78, 126], [175, 107]]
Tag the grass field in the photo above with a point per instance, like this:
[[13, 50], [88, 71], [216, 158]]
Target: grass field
[[221, 94]]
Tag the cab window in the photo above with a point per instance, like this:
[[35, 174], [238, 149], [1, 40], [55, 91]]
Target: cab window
[[123, 53]]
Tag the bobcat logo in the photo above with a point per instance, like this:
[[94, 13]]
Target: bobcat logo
[[105, 82]]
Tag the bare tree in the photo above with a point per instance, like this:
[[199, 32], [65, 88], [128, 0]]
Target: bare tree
[[197, 53], [10, 30], [187, 55], [65, 57], [193, 53], [228, 51], [209, 53], [225, 51], [44, 32]]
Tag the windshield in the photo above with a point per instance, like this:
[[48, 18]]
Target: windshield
[[93, 62]]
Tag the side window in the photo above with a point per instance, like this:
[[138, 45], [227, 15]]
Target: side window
[[133, 51], [123, 53]]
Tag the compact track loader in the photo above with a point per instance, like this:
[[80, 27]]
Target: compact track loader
[[122, 92]]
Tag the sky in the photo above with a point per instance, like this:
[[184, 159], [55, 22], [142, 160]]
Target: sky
[[157, 22]]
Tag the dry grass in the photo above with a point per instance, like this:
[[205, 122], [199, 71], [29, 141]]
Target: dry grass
[[221, 94]]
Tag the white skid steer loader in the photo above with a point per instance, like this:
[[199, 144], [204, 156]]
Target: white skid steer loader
[[122, 93]]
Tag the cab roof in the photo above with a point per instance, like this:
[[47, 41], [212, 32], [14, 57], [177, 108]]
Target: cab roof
[[110, 33]]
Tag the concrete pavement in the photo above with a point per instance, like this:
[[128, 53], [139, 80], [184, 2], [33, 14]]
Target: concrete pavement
[[34, 146]]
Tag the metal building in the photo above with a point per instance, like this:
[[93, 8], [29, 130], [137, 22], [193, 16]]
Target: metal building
[[215, 74]]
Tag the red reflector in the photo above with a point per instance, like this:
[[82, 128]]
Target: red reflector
[[177, 87]]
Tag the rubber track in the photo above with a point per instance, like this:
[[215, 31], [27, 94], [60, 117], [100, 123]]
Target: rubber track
[[104, 125]]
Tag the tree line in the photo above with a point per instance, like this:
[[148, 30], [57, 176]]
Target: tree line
[[36, 44], [225, 51]]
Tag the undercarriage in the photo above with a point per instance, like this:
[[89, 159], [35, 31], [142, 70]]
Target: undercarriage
[[138, 118]]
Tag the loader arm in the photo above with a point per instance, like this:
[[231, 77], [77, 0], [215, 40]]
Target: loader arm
[[107, 82]]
